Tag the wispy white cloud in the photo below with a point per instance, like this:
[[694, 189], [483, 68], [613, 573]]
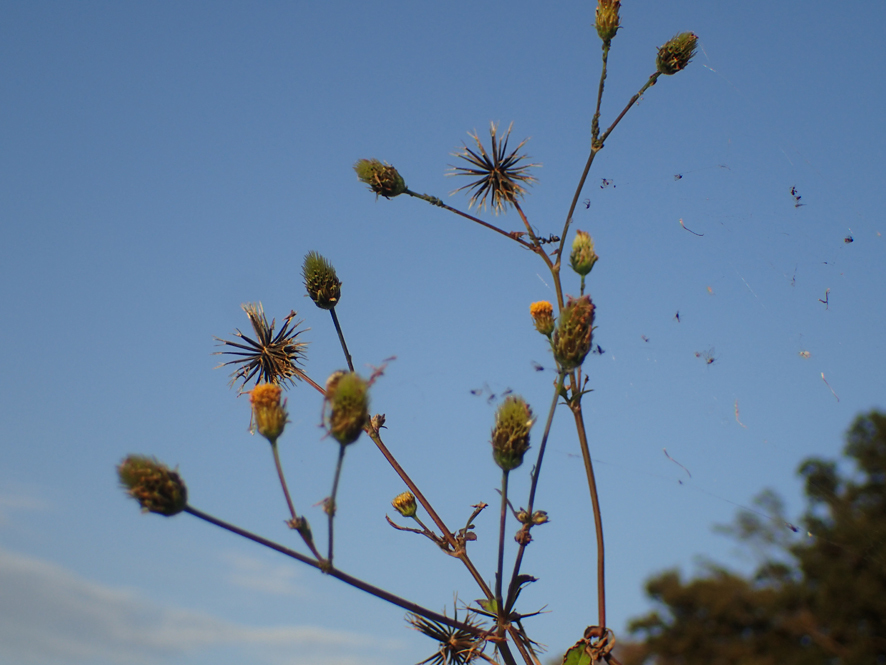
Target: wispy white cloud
[[255, 574], [50, 616], [17, 499]]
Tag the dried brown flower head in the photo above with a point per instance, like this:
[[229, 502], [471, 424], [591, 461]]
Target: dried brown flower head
[[457, 646], [269, 358], [500, 175]]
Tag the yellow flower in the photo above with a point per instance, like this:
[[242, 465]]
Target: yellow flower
[[270, 415], [405, 504], [542, 313]]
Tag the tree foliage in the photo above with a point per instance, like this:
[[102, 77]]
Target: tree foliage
[[818, 594]]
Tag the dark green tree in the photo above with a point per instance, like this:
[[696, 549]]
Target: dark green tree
[[818, 594]]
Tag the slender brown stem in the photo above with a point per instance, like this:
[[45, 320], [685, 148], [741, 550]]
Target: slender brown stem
[[595, 502], [341, 338], [344, 577], [295, 518], [456, 550], [433, 200], [596, 146], [595, 123], [330, 505], [501, 543], [513, 585]]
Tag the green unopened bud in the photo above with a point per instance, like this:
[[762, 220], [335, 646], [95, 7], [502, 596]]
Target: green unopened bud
[[382, 178], [607, 19], [542, 313], [510, 436], [583, 256], [153, 485], [321, 281], [405, 504], [676, 53], [268, 411], [572, 338], [347, 396]]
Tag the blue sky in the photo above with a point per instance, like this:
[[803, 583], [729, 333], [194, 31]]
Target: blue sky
[[163, 163]]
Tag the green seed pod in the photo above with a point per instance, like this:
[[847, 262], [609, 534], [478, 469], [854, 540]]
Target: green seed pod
[[382, 178], [321, 281], [572, 338], [153, 485], [510, 436], [348, 400], [676, 53], [607, 19], [583, 256]]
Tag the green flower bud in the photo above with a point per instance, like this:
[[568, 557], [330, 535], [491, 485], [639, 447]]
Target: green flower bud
[[583, 256], [320, 280], [572, 338], [607, 19], [383, 179], [676, 53], [153, 485], [510, 436], [405, 504], [347, 397]]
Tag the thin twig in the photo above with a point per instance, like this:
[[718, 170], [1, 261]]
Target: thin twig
[[501, 543], [295, 518], [513, 585], [433, 200], [330, 504], [341, 338], [333, 572]]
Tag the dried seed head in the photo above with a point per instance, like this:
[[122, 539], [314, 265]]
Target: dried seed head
[[382, 178], [153, 485], [268, 358], [500, 175], [607, 19], [510, 436], [572, 338], [321, 281], [583, 256], [270, 415], [676, 53], [405, 504], [347, 398], [542, 313]]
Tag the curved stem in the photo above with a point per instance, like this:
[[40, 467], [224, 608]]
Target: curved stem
[[330, 505], [341, 338], [598, 520], [333, 572], [433, 200]]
